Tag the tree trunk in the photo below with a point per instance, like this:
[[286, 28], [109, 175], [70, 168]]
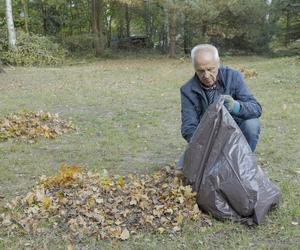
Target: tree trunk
[[72, 17], [204, 29], [127, 17], [186, 35], [78, 13], [109, 32], [25, 10], [45, 22], [165, 30], [1, 69], [148, 22], [121, 21], [10, 26], [96, 9], [288, 24], [267, 16], [101, 25], [172, 32]]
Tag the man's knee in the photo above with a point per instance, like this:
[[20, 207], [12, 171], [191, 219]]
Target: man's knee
[[251, 130], [251, 127]]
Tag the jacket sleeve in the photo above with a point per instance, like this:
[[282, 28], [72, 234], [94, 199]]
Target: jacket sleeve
[[189, 117], [250, 108]]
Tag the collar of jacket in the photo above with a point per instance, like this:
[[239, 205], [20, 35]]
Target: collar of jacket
[[196, 83]]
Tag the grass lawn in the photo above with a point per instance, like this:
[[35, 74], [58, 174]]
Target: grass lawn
[[127, 114]]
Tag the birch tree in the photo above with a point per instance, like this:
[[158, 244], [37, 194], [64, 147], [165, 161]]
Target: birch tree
[[10, 26]]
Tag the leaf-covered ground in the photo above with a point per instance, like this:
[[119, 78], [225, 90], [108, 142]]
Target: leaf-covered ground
[[127, 116], [85, 204], [29, 126]]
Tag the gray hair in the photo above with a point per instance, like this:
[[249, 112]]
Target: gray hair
[[207, 48]]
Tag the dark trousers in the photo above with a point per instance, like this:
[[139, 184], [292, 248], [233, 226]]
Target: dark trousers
[[251, 130]]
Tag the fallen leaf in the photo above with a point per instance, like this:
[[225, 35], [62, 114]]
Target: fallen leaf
[[30, 199], [124, 235], [120, 181], [179, 218], [70, 246], [46, 202]]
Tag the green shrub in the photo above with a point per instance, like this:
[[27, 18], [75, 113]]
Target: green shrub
[[32, 50], [3, 40], [278, 48]]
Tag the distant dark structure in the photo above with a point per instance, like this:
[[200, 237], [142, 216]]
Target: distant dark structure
[[131, 42]]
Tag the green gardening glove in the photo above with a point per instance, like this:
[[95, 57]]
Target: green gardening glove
[[232, 105]]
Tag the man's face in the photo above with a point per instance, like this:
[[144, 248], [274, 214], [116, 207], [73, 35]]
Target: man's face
[[206, 68]]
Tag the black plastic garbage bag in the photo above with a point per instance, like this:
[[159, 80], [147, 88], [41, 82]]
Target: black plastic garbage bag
[[222, 169]]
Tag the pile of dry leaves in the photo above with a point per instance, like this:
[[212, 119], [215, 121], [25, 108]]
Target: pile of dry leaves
[[89, 204], [29, 125], [249, 73]]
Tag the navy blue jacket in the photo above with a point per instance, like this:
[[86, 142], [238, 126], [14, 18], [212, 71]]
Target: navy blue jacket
[[194, 101]]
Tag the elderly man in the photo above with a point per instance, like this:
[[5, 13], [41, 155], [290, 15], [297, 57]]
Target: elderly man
[[209, 82]]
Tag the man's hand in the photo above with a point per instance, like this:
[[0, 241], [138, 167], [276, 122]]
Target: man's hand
[[232, 105]]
